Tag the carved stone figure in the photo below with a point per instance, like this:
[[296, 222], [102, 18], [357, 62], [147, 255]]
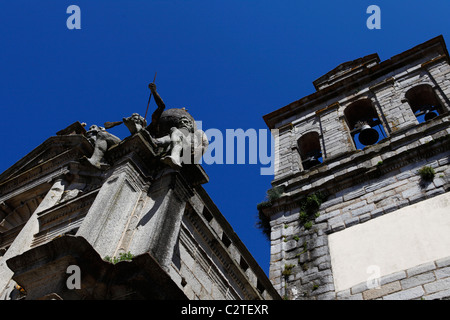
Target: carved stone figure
[[102, 141], [175, 131], [135, 123]]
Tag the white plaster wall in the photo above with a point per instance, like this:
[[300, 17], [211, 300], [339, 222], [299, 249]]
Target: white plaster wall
[[396, 241]]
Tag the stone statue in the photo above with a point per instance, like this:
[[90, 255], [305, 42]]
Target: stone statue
[[102, 141], [175, 131], [135, 123]]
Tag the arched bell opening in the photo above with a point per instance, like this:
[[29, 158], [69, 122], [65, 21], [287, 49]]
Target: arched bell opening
[[424, 102], [310, 150], [365, 126]]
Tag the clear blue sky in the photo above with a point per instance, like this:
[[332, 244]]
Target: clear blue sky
[[229, 62]]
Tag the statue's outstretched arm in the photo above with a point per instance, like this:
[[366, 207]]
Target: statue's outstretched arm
[[159, 102], [153, 127]]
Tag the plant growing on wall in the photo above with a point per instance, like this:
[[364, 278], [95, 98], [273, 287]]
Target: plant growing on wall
[[122, 257], [263, 222], [427, 173], [309, 208], [288, 270]]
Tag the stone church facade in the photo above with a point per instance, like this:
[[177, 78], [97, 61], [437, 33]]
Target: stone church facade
[[82, 200], [360, 207]]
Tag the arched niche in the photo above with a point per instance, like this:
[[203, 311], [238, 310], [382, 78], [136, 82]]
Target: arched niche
[[364, 124], [310, 150], [424, 102]]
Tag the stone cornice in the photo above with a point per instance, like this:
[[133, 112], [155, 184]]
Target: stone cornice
[[57, 164], [26, 182], [144, 156], [135, 144], [222, 255], [228, 230], [51, 150]]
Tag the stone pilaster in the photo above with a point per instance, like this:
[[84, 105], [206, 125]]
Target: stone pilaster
[[337, 139]]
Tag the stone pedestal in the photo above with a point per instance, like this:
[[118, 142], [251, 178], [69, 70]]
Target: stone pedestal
[[126, 217], [44, 272], [159, 224], [110, 213]]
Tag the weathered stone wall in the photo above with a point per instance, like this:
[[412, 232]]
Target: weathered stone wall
[[361, 184], [400, 240], [308, 250], [428, 281]]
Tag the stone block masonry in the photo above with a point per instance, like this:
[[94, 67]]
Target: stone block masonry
[[398, 189], [311, 276], [399, 240], [365, 185], [428, 281]]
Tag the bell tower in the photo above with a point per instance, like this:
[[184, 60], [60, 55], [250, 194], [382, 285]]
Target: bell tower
[[362, 201]]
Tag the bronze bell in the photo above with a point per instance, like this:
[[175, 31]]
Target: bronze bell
[[368, 135]]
